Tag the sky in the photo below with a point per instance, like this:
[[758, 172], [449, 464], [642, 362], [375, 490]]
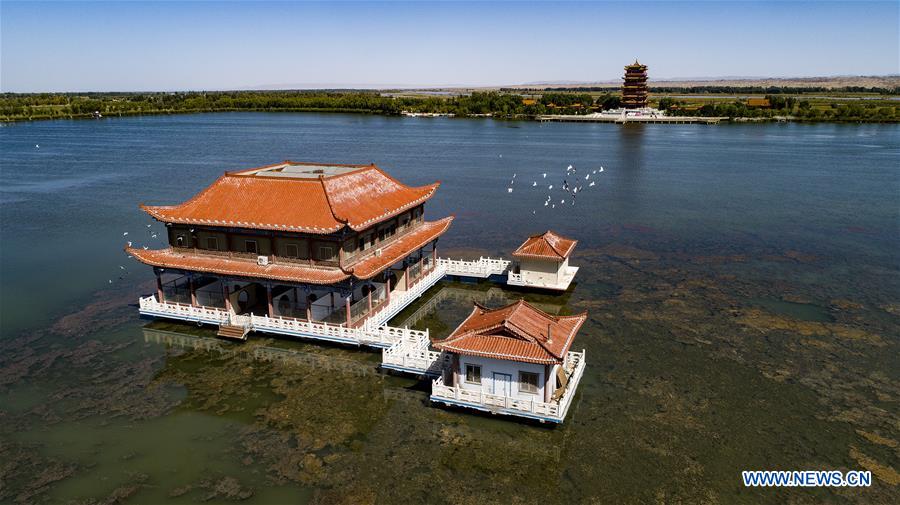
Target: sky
[[164, 46]]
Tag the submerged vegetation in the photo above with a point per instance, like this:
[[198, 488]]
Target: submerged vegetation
[[502, 104]]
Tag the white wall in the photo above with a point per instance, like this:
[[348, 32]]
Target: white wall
[[512, 368], [546, 272]]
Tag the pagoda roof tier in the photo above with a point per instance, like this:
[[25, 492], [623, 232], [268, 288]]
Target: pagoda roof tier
[[400, 248], [239, 267], [292, 272], [518, 332], [298, 197], [547, 245]]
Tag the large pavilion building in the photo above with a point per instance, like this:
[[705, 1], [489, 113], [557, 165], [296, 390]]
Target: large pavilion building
[[321, 243]]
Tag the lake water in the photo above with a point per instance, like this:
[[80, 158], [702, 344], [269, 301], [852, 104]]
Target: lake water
[[743, 285]]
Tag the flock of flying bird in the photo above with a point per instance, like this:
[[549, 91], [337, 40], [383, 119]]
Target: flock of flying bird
[[152, 234], [570, 188]]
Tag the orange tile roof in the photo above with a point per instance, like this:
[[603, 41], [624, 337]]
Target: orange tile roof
[[400, 248], [359, 196], [198, 262], [516, 332], [547, 245]]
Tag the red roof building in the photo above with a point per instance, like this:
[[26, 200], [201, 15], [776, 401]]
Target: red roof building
[[298, 231], [511, 351], [543, 262]]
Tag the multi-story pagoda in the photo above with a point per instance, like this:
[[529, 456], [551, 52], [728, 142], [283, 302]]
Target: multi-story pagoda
[[634, 89], [320, 243]]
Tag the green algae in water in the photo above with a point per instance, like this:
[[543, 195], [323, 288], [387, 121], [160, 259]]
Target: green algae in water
[[801, 311]]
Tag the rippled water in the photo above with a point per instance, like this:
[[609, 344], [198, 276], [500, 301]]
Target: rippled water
[[742, 283]]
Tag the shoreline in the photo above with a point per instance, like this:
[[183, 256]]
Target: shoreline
[[572, 118]]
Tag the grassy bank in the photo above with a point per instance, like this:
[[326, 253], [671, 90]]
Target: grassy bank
[[806, 106]]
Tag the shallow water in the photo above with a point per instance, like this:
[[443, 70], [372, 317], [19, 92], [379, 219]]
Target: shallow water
[[742, 284]]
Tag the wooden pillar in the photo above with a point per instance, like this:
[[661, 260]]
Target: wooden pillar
[[421, 260], [406, 276], [160, 296], [549, 382], [227, 293], [193, 290], [332, 300], [387, 289], [455, 365], [434, 254], [269, 300], [369, 296], [347, 305], [308, 308]]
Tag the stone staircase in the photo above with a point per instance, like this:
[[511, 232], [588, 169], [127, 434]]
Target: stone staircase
[[237, 332]]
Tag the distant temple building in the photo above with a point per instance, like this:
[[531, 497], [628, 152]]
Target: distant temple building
[[634, 90]]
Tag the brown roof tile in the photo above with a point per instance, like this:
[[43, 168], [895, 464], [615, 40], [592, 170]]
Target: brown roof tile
[[171, 258], [359, 196], [400, 248], [547, 245], [517, 332]]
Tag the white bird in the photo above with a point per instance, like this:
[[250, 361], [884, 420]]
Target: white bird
[[601, 169], [575, 191], [125, 234], [509, 190], [588, 176], [553, 206], [545, 175], [148, 226], [153, 236], [145, 248], [591, 184], [594, 172], [562, 202], [546, 203], [110, 281], [534, 212], [37, 146], [533, 184], [129, 243], [550, 187], [514, 176], [120, 266], [501, 155], [192, 230], [569, 167]]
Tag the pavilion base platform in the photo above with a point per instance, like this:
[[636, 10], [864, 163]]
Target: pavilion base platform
[[563, 284], [403, 350], [553, 411]]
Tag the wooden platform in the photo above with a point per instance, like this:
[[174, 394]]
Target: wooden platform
[[233, 332]]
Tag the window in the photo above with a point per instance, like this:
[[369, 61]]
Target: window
[[528, 382], [366, 242], [212, 243], [473, 374], [250, 246], [292, 251], [181, 240], [326, 252]]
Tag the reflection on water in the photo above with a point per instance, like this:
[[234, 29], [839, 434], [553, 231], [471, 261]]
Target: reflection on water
[[741, 283]]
